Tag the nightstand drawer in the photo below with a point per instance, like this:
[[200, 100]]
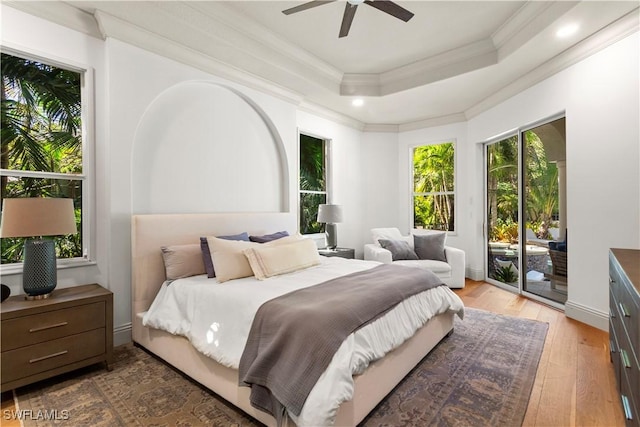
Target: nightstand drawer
[[28, 330], [51, 354]]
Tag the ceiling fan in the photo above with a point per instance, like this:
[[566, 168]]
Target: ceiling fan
[[350, 10]]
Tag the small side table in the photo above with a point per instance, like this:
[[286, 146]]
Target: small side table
[[70, 329], [339, 252]]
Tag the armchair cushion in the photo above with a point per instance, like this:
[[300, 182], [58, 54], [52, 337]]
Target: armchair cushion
[[399, 249], [430, 246]]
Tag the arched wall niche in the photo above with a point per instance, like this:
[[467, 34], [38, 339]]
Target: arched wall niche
[[205, 147]]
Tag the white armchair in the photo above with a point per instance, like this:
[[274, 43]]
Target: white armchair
[[452, 272]]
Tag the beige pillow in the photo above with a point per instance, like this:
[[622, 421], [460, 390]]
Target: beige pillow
[[267, 261], [228, 258], [182, 261]]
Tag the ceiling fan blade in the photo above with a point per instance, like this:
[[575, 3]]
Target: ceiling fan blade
[[391, 8], [306, 6], [347, 19]]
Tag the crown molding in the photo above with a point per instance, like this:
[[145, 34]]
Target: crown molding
[[381, 128], [614, 32], [59, 13], [323, 112], [116, 28], [433, 122], [529, 20], [439, 67]]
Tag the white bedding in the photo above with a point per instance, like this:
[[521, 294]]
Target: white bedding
[[217, 317]]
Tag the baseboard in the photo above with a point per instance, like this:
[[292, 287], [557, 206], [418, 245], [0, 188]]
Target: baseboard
[[474, 274], [588, 315], [122, 334]]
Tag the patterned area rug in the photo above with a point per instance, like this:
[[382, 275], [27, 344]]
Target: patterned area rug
[[481, 375]]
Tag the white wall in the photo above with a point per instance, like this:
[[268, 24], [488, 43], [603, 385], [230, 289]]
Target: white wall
[[600, 96]]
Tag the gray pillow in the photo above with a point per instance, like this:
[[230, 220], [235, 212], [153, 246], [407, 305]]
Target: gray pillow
[[400, 249], [430, 246], [269, 237]]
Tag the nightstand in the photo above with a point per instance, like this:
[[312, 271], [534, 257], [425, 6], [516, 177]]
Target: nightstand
[[339, 252], [71, 329]]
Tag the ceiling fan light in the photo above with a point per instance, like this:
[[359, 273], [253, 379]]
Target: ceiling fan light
[[355, 2]]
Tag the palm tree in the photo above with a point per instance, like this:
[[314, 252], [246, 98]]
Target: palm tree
[[40, 129], [433, 182], [40, 119]]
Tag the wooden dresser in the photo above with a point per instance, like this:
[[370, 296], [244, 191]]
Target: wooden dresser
[[70, 329], [624, 328]]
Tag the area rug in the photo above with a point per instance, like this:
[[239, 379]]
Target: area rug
[[481, 375]]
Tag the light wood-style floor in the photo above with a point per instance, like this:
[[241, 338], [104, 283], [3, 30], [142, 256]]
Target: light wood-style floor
[[575, 383]]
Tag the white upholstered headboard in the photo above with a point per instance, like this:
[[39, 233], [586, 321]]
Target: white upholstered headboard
[[150, 232]]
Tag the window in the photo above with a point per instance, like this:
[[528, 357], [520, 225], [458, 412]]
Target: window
[[433, 186], [313, 182], [42, 144]]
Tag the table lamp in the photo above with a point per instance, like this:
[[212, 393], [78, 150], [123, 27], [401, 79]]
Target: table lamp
[[330, 215], [38, 216]]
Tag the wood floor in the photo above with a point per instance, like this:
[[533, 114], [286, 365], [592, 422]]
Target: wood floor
[[575, 384]]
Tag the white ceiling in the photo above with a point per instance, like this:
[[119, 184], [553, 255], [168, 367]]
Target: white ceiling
[[451, 61]]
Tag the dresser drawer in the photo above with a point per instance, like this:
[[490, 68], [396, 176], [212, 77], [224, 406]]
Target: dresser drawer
[[629, 406], [28, 330], [44, 356], [629, 312]]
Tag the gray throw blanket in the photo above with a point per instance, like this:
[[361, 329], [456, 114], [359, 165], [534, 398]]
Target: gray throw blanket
[[294, 337]]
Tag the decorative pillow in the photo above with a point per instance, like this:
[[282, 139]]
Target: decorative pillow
[[182, 261], [400, 249], [268, 261], [228, 260], [430, 246], [268, 237], [206, 253], [390, 233]]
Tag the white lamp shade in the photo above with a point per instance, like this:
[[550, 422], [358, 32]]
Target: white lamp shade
[[37, 216], [329, 214]]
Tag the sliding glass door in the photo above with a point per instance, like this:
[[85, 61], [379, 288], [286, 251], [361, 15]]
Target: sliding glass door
[[544, 210], [526, 218], [502, 211]]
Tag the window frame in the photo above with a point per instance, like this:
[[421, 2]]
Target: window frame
[[413, 194], [87, 177], [327, 176]]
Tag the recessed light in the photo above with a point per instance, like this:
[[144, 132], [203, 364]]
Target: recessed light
[[358, 102], [567, 30]]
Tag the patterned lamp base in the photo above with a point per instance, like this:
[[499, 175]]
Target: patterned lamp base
[[40, 274]]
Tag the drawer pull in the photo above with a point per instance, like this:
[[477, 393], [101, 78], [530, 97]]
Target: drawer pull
[[44, 328], [39, 359], [623, 310], [612, 346], [625, 358], [627, 407]]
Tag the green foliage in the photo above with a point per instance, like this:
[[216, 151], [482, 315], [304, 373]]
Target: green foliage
[[504, 231], [502, 188], [433, 186], [505, 275], [41, 126], [312, 183]]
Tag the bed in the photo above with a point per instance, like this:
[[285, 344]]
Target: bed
[[150, 232]]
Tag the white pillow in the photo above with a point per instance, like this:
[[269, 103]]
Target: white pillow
[[391, 233], [229, 261], [268, 261]]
